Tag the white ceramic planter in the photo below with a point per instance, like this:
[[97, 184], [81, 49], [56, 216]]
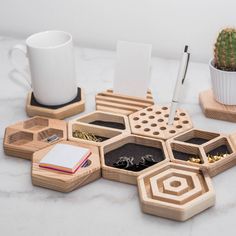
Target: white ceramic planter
[[223, 85]]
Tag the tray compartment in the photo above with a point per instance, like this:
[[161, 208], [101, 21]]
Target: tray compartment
[[36, 123]]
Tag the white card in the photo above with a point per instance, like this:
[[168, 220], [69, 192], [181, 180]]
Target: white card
[[65, 155], [132, 69]]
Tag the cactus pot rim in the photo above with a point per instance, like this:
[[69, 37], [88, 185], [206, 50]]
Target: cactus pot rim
[[212, 65]]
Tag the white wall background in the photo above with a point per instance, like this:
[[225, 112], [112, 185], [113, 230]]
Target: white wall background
[[166, 24]]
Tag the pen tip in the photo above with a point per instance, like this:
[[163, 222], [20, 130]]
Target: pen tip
[[186, 48]]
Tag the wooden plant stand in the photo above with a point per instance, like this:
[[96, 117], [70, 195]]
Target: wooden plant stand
[[127, 176], [122, 104], [56, 112], [175, 191], [198, 144], [212, 109], [152, 122], [64, 182], [24, 138]]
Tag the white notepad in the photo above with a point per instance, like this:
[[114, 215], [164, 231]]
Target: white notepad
[[65, 157], [132, 69]]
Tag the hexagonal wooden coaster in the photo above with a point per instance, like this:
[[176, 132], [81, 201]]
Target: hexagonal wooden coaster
[[131, 146], [122, 104], [26, 137], [33, 108], [106, 119], [104, 135], [175, 191], [65, 182], [152, 122], [199, 144], [212, 109]]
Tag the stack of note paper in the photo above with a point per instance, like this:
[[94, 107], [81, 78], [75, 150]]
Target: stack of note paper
[[65, 157]]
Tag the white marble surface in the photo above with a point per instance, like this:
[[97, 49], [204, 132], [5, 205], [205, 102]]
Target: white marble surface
[[103, 207]]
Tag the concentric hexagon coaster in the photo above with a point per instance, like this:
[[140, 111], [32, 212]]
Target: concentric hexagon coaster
[[129, 156], [106, 119], [213, 152], [91, 134], [24, 138], [122, 104], [33, 108], [175, 191], [65, 182], [152, 122]]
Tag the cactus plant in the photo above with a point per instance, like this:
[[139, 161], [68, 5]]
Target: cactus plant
[[225, 50]]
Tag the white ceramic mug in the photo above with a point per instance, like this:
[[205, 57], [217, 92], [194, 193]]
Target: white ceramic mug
[[51, 66]]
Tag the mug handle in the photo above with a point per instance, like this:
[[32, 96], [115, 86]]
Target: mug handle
[[20, 48]]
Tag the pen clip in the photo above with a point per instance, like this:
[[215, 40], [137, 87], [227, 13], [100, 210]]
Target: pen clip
[[186, 68]]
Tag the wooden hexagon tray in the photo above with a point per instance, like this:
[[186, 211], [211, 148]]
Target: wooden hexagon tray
[[64, 182], [122, 104], [152, 122], [175, 191], [135, 147], [33, 108], [106, 119], [199, 144], [24, 138], [103, 134]]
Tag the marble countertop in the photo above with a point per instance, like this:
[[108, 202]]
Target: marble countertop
[[103, 207]]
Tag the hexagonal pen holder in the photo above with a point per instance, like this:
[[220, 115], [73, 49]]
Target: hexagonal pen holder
[[106, 119], [24, 138], [135, 148], [214, 152], [175, 191], [64, 182]]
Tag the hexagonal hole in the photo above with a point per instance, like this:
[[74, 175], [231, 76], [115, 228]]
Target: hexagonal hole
[[93, 134], [218, 150], [48, 134], [20, 138], [187, 153], [141, 153], [105, 120], [197, 137], [36, 123]]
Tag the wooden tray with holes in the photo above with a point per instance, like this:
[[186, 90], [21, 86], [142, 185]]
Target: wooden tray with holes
[[152, 122], [103, 135], [122, 104], [202, 145], [131, 146], [106, 119], [64, 182], [24, 138], [175, 191]]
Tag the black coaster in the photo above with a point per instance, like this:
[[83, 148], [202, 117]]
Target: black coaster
[[109, 124], [136, 151], [198, 141], [33, 101]]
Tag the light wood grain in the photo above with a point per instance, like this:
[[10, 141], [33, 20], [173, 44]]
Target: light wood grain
[[64, 182], [121, 104], [24, 138], [60, 113], [155, 200], [212, 109], [152, 122]]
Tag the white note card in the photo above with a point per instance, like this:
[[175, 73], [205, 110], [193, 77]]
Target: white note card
[[132, 69]]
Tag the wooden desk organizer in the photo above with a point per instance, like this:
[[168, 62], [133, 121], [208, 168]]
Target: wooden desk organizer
[[152, 122], [56, 112], [215, 110], [122, 104], [198, 144], [24, 138], [128, 145], [64, 182], [106, 119], [175, 191]]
